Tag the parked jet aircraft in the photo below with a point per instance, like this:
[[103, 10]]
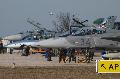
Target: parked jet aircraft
[[16, 37], [92, 39]]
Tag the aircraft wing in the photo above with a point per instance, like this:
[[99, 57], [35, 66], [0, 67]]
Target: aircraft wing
[[112, 38]]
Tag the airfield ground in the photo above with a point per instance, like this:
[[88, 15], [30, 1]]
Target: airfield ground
[[35, 66]]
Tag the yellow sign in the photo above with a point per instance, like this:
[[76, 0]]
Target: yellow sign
[[108, 66]]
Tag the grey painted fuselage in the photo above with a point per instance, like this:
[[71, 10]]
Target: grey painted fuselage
[[94, 40]]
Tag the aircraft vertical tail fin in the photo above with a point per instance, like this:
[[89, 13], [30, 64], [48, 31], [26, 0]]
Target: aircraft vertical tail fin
[[110, 22]]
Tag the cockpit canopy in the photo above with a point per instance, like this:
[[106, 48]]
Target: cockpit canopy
[[83, 31]]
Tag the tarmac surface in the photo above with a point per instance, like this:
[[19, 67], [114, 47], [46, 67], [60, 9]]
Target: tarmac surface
[[37, 60], [35, 66]]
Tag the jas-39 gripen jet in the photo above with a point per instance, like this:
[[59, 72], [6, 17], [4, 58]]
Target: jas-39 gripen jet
[[88, 37]]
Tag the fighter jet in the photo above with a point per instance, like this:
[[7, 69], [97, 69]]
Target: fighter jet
[[16, 37], [98, 41], [94, 39]]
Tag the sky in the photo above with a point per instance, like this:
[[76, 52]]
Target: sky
[[14, 13]]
